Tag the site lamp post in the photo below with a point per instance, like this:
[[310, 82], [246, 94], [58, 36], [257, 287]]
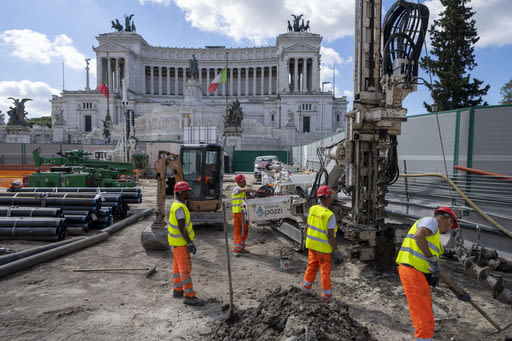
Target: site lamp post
[[323, 83], [125, 149]]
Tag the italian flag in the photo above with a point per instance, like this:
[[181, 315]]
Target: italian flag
[[103, 87], [220, 78]]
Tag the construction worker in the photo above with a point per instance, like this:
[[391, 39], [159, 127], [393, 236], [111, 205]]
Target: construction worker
[[418, 267], [320, 235], [181, 238], [241, 225]]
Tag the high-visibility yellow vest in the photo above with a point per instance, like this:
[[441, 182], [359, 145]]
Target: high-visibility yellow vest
[[411, 254], [173, 232], [237, 201], [317, 238]]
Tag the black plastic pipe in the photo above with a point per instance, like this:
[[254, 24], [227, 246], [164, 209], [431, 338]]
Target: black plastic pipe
[[25, 253], [8, 211], [17, 222], [27, 262]]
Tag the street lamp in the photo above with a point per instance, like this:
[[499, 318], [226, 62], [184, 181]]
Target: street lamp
[[322, 140]]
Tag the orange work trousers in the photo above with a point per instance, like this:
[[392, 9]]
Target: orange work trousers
[[417, 291], [320, 260], [240, 233], [181, 268]]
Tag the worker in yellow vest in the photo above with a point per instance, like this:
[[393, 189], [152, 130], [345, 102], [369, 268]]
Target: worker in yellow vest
[[320, 235], [418, 267], [181, 237], [240, 224]]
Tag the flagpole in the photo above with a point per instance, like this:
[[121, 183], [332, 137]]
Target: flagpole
[[108, 119], [227, 53]]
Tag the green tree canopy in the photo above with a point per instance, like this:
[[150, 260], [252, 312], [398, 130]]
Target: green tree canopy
[[42, 121], [453, 36], [506, 93]]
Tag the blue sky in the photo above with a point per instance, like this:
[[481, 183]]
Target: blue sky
[[43, 44]]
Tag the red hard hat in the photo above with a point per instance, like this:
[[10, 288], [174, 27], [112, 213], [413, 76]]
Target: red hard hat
[[239, 178], [323, 191], [451, 212], [181, 186]]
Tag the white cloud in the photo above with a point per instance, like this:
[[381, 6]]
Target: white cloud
[[160, 2], [35, 47], [331, 62], [39, 92], [257, 22], [493, 20]]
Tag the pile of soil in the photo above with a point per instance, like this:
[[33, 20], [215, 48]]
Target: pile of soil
[[292, 315]]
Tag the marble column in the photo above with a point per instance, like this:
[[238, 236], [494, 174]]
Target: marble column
[[254, 81], [305, 77], [262, 92], [176, 92], [246, 93], [159, 80], [270, 80], [152, 80], [296, 75], [168, 71], [144, 79], [207, 81]]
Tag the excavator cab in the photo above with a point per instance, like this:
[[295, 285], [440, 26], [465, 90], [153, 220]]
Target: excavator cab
[[202, 166]]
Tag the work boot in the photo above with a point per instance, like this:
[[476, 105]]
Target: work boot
[[303, 288], [177, 294], [237, 254], [193, 301], [244, 251]]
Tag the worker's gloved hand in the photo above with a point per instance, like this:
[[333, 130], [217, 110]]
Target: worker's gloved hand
[[463, 296], [434, 267], [192, 248], [337, 257]]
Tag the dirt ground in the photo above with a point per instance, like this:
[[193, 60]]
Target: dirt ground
[[51, 302]]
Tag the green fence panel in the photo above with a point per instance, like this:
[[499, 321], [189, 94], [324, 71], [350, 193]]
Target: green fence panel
[[243, 160]]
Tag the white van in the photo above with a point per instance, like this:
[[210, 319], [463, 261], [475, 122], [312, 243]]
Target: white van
[[258, 160]]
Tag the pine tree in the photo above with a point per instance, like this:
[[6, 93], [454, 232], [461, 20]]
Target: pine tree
[[506, 93], [453, 36]]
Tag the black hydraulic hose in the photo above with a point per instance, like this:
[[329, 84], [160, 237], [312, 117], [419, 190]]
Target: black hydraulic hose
[[24, 263]]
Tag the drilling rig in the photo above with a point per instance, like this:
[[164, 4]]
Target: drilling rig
[[365, 162]]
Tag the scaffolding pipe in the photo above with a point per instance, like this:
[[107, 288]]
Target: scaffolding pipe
[[469, 201], [27, 262]]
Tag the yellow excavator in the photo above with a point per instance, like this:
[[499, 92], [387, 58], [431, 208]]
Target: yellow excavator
[[201, 165]]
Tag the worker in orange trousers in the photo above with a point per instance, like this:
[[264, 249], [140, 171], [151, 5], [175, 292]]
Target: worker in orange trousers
[[418, 267], [320, 235], [180, 235], [241, 225]]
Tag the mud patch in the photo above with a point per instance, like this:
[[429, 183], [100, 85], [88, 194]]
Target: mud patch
[[292, 315]]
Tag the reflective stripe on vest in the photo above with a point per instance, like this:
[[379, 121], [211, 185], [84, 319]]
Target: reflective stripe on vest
[[317, 236], [237, 201], [173, 232], [411, 254]]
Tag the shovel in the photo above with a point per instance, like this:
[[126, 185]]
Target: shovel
[[451, 285]]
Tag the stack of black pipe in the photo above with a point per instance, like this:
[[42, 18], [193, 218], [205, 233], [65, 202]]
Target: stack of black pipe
[[82, 208], [33, 228], [128, 195]]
